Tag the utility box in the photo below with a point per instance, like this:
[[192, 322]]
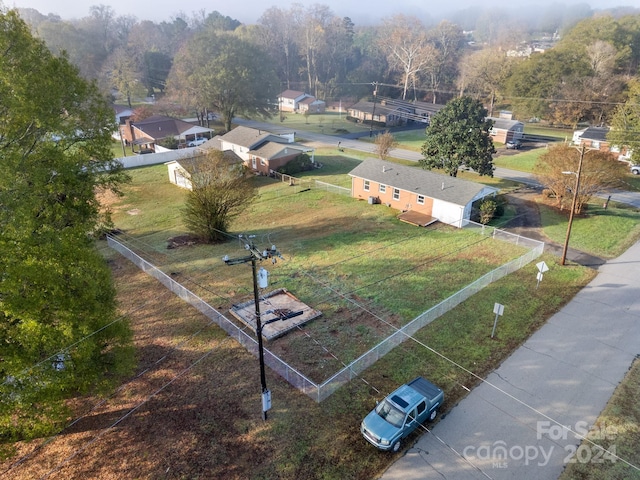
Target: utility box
[[266, 400]]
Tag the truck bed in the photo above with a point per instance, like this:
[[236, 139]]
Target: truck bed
[[426, 388]]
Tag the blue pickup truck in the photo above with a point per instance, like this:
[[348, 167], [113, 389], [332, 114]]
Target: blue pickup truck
[[401, 413]]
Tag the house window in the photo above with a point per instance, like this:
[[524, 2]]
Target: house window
[[420, 199], [262, 162], [253, 162], [396, 194], [366, 185], [595, 144], [383, 188]]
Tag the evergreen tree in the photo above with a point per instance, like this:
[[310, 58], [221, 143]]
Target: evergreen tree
[[625, 124], [457, 136], [56, 295]]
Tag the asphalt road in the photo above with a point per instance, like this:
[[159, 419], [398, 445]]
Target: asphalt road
[[510, 427], [631, 198], [526, 419]]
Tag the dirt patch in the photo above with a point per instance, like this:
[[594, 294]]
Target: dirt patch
[[182, 241]]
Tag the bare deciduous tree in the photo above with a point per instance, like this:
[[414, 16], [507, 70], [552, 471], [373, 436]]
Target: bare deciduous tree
[[385, 142], [483, 75], [404, 40], [557, 170]]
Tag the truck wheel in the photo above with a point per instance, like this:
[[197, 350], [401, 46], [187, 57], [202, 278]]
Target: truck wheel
[[396, 446], [432, 415]]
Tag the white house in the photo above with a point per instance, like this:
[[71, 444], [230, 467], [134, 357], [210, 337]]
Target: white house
[[299, 102], [182, 170]]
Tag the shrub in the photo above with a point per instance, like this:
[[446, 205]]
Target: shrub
[[487, 209], [301, 163]]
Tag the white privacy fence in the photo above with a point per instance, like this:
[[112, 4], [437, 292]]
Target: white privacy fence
[[321, 391]]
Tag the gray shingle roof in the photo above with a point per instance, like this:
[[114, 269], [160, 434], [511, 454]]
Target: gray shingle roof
[[245, 136], [419, 181], [159, 126], [503, 123], [598, 134], [250, 137], [193, 164], [273, 150]]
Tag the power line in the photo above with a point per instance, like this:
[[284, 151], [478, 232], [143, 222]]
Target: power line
[[102, 402], [78, 451], [59, 466]]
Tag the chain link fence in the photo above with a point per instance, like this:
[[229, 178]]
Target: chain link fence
[[355, 368], [276, 364], [400, 335]]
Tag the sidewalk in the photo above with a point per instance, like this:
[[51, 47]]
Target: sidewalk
[[565, 373]]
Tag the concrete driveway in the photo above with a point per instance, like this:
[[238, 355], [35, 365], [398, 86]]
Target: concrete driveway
[[510, 426]]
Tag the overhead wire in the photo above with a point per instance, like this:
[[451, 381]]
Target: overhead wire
[[368, 383], [103, 401], [433, 351], [97, 437]]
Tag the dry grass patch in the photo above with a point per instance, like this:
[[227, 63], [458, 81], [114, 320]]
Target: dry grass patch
[[193, 410]]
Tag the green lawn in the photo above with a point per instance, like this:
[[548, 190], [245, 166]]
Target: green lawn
[[411, 140], [523, 161], [602, 232], [536, 129], [632, 183], [333, 243], [116, 149], [337, 240], [329, 123]]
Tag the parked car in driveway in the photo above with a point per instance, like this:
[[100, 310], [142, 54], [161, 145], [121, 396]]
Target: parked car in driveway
[[514, 144], [197, 142], [635, 169]]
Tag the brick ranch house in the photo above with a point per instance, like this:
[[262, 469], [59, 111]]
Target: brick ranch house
[[262, 151], [596, 138], [506, 130], [421, 196], [392, 112], [148, 132]]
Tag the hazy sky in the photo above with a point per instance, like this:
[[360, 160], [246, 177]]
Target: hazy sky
[[248, 11]]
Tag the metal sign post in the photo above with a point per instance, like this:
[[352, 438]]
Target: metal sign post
[[498, 309], [542, 267]]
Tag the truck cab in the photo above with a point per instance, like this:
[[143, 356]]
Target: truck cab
[[400, 413]]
